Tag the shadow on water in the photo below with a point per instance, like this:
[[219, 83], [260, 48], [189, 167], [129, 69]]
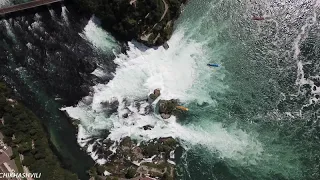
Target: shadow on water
[[49, 66]]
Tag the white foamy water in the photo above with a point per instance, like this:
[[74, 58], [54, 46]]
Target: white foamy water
[[52, 13], [181, 73], [98, 37], [64, 14], [8, 28], [296, 47], [5, 3]]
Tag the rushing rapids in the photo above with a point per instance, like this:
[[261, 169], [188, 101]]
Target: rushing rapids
[[254, 117]]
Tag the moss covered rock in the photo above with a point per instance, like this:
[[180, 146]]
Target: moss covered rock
[[167, 107]]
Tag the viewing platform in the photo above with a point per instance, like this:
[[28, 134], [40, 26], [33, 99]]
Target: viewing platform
[[25, 6]]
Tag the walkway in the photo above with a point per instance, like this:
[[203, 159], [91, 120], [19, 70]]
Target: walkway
[[165, 9]]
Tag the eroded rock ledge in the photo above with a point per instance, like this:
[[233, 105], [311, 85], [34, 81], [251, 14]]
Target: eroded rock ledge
[[152, 159], [149, 22], [145, 160]]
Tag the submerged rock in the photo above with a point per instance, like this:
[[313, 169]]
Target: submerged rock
[[126, 115], [147, 127]]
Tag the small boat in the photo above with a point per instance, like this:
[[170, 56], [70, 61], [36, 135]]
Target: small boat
[[213, 65], [257, 18]]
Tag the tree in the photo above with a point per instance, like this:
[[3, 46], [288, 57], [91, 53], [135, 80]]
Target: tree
[[28, 161], [39, 155], [92, 171], [23, 148], [26, 127], [166, 176], [130, 173], [101, 169]]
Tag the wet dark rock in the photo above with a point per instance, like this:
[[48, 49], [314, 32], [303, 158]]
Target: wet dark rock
[[126, 115], [86, 66], [126, 142], [166, 45], [148, 109], [127, 160], [129, 156], [111, 106], [167, 107], [148, 127], [137, 105], [152, 97], [149, 22]]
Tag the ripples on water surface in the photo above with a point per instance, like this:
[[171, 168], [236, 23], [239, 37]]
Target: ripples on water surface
[[256, 117]]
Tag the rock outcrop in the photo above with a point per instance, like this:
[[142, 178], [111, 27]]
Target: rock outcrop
[[152, 97], [130, 160], [133, 160], [167, 107], [150, 22], [166, 45]]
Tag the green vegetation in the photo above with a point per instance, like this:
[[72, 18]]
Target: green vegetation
[[30, 139], [93, 171], [166, 176], [156, 166], [165, 145], [130, 173], [97, 172], [130, 21], [15, 156]]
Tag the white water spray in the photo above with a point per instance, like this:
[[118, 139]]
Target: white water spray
[[98, 37], [5, 3], [180, 72], [8, 28], [64, 14]]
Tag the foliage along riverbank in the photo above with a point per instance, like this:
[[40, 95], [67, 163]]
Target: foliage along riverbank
[[24, 132], [149, 22]]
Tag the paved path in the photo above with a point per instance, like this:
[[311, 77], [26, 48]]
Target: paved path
[[5, 156], [166, 7]]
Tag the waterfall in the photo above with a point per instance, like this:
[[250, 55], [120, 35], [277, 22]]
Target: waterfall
[[64, 14]]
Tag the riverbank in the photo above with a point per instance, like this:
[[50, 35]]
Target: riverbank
[[23, 131]]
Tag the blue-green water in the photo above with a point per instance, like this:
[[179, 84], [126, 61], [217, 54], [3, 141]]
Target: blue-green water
[[255, 117]]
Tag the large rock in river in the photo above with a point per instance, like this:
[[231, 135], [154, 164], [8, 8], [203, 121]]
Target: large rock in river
[[167, 107]]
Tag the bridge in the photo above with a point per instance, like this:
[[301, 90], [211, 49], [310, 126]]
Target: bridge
[[24, 6]]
